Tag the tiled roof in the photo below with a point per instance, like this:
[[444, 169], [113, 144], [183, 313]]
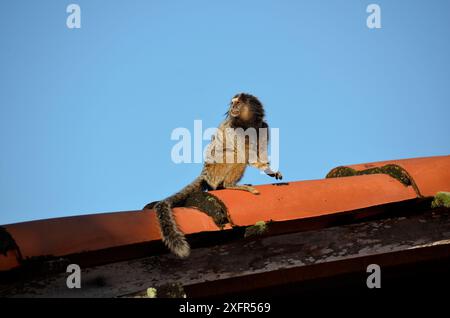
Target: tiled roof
[[294, 206], [428, 174]]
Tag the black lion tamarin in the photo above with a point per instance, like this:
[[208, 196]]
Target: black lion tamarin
[[245, 112]]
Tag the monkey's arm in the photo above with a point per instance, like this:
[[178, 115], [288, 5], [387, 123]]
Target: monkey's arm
[[262, 163], [265, 166]]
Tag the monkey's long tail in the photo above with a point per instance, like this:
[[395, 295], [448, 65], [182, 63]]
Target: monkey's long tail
[[171, 235]]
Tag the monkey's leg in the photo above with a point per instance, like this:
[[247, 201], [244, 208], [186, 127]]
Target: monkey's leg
[[241, 187]]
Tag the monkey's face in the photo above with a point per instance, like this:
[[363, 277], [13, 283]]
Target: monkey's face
[[240, 107]]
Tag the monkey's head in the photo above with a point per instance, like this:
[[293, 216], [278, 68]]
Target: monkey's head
[[246, 109]]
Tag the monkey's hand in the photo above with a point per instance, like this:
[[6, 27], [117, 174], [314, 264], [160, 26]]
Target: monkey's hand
[[277, 175]]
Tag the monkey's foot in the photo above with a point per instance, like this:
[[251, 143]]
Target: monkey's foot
[[243, 188]]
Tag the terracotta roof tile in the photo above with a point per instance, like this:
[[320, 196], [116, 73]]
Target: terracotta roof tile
[[308, 199], [285, 203], [71, 235], [9, 261], [429, 174]]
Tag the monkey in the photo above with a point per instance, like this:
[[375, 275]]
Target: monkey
[[245, 111]]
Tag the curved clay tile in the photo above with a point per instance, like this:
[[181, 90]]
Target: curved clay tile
[[288, 203], [78, 234], [9, 261], [309, 199], [429, 174]]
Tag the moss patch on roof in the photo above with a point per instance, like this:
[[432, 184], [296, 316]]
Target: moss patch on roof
[[441, 199], [392, 170], [6, 241], [209, 204], [259, 228], [205, 202]]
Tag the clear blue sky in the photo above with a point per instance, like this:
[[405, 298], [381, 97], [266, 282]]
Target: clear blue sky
[[86, 115]]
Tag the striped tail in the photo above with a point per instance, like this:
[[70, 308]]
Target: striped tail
[[171, 235]]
